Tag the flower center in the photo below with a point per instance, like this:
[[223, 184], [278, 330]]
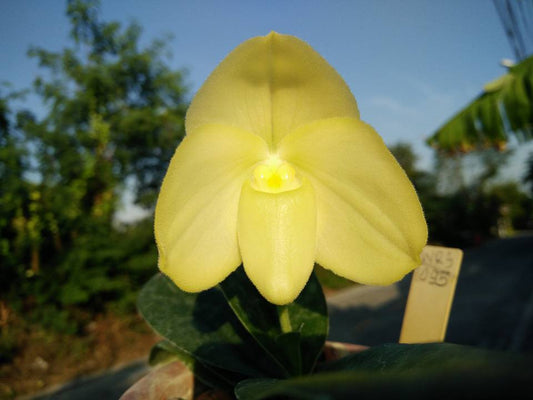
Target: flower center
[[274, 176]]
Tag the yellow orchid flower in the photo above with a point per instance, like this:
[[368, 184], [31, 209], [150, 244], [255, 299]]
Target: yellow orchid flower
[[276, 172]]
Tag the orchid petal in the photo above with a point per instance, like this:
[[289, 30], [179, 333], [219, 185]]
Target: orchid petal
[[196, 213], [277, 237], [370, 225], [269, 86]]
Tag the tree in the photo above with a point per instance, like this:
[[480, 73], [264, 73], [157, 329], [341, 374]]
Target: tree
[[14, 197], [468, 212], [483, 129], [114, 107], [114, 114], [528, 175], [423, 181]]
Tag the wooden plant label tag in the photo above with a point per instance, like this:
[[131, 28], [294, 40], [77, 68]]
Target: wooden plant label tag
[[431, 295]]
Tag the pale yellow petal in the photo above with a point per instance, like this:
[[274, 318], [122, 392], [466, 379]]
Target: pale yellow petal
[[196, 213], [370, 227], [277, 236], [270, 85]]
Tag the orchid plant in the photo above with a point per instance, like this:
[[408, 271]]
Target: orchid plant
[[276, 173]]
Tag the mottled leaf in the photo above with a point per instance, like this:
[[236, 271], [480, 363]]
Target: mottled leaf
[[203, 326], [307, 317]]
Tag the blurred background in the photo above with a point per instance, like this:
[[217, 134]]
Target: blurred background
[[93, 97]]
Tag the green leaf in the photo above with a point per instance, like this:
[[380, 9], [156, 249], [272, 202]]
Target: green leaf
[[202, 326], [307, 317], [165, 352], [433, 371], [404, 357], [502, 110], [290, 343], [72, 293]]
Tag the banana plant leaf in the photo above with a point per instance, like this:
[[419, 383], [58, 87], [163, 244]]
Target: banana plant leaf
[[504, 109]]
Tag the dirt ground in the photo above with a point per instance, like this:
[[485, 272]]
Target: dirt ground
[[45, 360]]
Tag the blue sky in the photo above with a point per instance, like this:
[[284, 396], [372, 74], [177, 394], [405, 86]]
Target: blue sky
[[410, 64]]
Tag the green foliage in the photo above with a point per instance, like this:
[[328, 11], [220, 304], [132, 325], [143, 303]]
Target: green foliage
[[480, 209], [467, 214], [116, 110], [8, 344], [232, 332], [503, 109], [115, 113], [420, 371], [304, 322], [513, 205], [102, 271], [528, 176], [424, 182], [239, 345], [211, 376], [203, 326]]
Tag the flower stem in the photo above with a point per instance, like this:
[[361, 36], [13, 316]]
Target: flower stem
[[284, 319]]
